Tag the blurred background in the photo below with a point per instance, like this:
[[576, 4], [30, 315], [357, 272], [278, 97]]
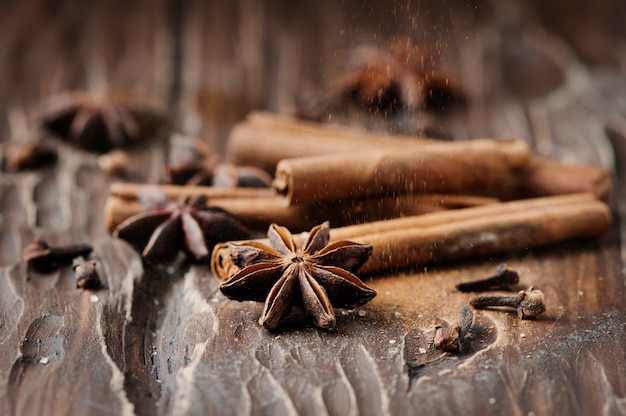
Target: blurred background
[[210, 63], [551, 73]]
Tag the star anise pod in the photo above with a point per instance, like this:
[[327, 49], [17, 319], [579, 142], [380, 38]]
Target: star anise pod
[[191, 162], [166, 227], [318, 276], [402, 78], [99, 125]]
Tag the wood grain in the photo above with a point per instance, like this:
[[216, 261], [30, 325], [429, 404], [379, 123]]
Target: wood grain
[[164, 340]]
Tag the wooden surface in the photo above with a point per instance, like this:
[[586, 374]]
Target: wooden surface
[[165, 341]]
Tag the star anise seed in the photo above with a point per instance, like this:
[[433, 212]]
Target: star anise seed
[[165, 227], [99, 125], [318, 276]]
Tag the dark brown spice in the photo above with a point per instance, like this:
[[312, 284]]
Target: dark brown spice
[[529, 303], [31, 156], [403, 78], [191, 162], [100, 125], [318, 276], [87, 276], [503, 279], [167, 227], [450, 339], [43, 258], [114, 163], [227, 175]]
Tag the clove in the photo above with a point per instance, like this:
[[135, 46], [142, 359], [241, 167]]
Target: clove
[[450, 338], [43, 258], [503, 279], [528, 303], [86, 275], [31, 156]]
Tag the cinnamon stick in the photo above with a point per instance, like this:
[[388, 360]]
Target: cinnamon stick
[[543, 177], [257, 208], [125, 190], [264, 139], [472, 166], [463, 233]]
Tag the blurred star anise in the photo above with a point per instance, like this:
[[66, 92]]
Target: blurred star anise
[[318, 276], [403, 78], [166, 227], [99, 125], [191, 162]]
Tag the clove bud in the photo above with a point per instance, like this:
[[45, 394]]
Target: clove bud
[[43, 258], [87, 275], [503, 279], [528, 303], [450, 338]]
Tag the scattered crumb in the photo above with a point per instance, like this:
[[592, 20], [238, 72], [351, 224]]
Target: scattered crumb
[[492, 400], [422, 350], [522, 335], [362, 313], [94, 298], [44, 360]]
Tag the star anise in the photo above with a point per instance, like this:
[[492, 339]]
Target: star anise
[[166, 227], [191, 162], [318, 276], [403, 78], [99, 125]]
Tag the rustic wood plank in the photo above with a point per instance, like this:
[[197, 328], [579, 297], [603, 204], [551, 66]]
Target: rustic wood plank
[[66, 350], [165, 341]]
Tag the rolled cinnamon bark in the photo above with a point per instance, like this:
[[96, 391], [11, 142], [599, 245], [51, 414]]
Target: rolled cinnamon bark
[[543, 177], [257, 208], [462, 233], [125, 190], [264, 139], [454, 167]]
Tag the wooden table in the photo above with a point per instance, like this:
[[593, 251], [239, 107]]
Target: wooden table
[[165, 341]]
